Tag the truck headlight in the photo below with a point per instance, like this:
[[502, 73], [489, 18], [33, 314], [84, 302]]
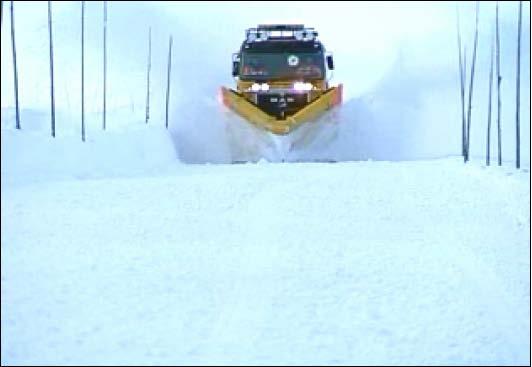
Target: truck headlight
[[263, 36], [299, 86], [255, 87], [252, 37]]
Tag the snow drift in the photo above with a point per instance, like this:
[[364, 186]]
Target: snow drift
[[34, 156]]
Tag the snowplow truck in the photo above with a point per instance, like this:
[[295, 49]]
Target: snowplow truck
[[281, 74]]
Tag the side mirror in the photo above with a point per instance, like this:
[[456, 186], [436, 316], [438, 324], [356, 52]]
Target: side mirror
[[236, 65], [330, 62]]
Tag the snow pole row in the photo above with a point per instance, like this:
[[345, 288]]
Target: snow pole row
[[52, 80], [466, 121]]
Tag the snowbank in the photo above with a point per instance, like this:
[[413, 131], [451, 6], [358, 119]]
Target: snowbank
[[32, 156]]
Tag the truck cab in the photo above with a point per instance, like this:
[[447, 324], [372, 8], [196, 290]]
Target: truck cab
[[281, 69]]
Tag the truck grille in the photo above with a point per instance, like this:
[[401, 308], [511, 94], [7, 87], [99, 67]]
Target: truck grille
[[281, 105]]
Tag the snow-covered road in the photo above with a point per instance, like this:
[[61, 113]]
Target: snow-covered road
[[139, 247], [346, 263]]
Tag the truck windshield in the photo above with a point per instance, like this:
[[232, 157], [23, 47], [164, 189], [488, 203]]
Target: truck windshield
[[265, 66]]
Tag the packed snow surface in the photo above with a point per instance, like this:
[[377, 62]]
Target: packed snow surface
[[368, 262]]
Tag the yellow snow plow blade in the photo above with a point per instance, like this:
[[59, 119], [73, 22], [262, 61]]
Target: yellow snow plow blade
[[242, 106]]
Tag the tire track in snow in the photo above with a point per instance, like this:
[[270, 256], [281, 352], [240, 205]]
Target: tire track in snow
[[245, 299], [487, 287]]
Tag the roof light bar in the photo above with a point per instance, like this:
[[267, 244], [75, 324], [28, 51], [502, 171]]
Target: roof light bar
[[279, 32]]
